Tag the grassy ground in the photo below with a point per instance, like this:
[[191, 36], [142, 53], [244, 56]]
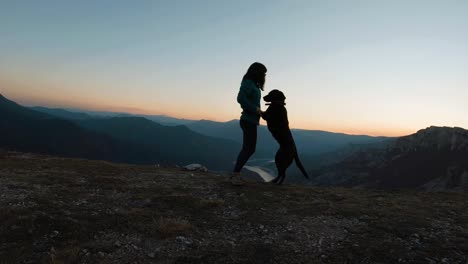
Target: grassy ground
[[55, 210]]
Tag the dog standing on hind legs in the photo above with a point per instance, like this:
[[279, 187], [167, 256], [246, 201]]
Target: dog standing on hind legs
[[276, 117]]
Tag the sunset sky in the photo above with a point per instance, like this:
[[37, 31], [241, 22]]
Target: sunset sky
[[361, 67]]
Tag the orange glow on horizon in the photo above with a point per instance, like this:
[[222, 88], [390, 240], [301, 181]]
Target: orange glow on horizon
[[38, 101], [181, 111]]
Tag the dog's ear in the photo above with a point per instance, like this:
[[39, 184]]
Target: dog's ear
[[281, 96], [274, 95], [277, 95], [267, 98]]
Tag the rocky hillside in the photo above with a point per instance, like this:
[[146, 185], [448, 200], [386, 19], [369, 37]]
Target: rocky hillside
[[57, 210], [435, 158], [434, 139]]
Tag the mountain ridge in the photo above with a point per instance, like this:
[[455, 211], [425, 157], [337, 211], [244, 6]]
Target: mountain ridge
[[309, 142], [434, 158], [24, 129]]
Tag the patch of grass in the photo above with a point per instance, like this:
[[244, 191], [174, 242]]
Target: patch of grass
[[210, 203], [107, 182], [350, 211], [169, 227], [64, 255], [462, 220]]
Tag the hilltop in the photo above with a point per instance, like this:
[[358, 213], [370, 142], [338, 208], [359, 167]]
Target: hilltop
[[61, 210]]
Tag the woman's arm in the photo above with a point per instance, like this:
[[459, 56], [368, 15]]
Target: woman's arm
[[266, 114]]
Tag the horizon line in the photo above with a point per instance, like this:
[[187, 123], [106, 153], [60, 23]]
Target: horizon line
[[143, 112], [84, 110]]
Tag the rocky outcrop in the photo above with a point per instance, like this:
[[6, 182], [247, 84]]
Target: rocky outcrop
[[456, 179], [435, 139], [195, 167], [435, 158]]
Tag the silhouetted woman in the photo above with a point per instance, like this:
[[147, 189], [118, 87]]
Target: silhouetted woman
[[249, 99]]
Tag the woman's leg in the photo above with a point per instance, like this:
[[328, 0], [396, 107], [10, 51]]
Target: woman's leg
[[248, 146]]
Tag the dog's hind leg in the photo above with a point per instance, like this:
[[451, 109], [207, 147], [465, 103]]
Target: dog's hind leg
[[283, 161], [275, 180], [279, 161], [281, 180], [281, 174]]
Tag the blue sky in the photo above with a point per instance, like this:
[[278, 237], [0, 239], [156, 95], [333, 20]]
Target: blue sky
[[372, 67]]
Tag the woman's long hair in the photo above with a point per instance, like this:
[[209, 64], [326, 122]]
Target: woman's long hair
[[256, 73]]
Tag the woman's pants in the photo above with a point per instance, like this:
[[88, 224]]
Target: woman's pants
[[248, 145]]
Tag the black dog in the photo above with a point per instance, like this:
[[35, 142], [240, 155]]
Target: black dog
[[276, 117]]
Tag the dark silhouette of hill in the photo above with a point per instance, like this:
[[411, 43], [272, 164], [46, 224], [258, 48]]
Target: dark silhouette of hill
[[318, 163], [177, 142], [320, 142], [24, 129], [435, 158], [74, 114], [131, 140], [309, 142], [160, 119], [167, 120], [229, 130], [61, 113], [11, 111]]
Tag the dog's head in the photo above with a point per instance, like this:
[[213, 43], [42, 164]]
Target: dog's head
[[274, 96]]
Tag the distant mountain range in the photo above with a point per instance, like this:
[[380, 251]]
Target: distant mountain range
[[26, 130], [121, 139], [309, 142], [72, 113], [175, 143], [61, 113], [435, 158]]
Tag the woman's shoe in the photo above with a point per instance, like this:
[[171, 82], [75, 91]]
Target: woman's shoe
[[236, 179]]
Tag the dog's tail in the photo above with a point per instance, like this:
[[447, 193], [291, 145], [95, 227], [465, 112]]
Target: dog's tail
[[299, 163]]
